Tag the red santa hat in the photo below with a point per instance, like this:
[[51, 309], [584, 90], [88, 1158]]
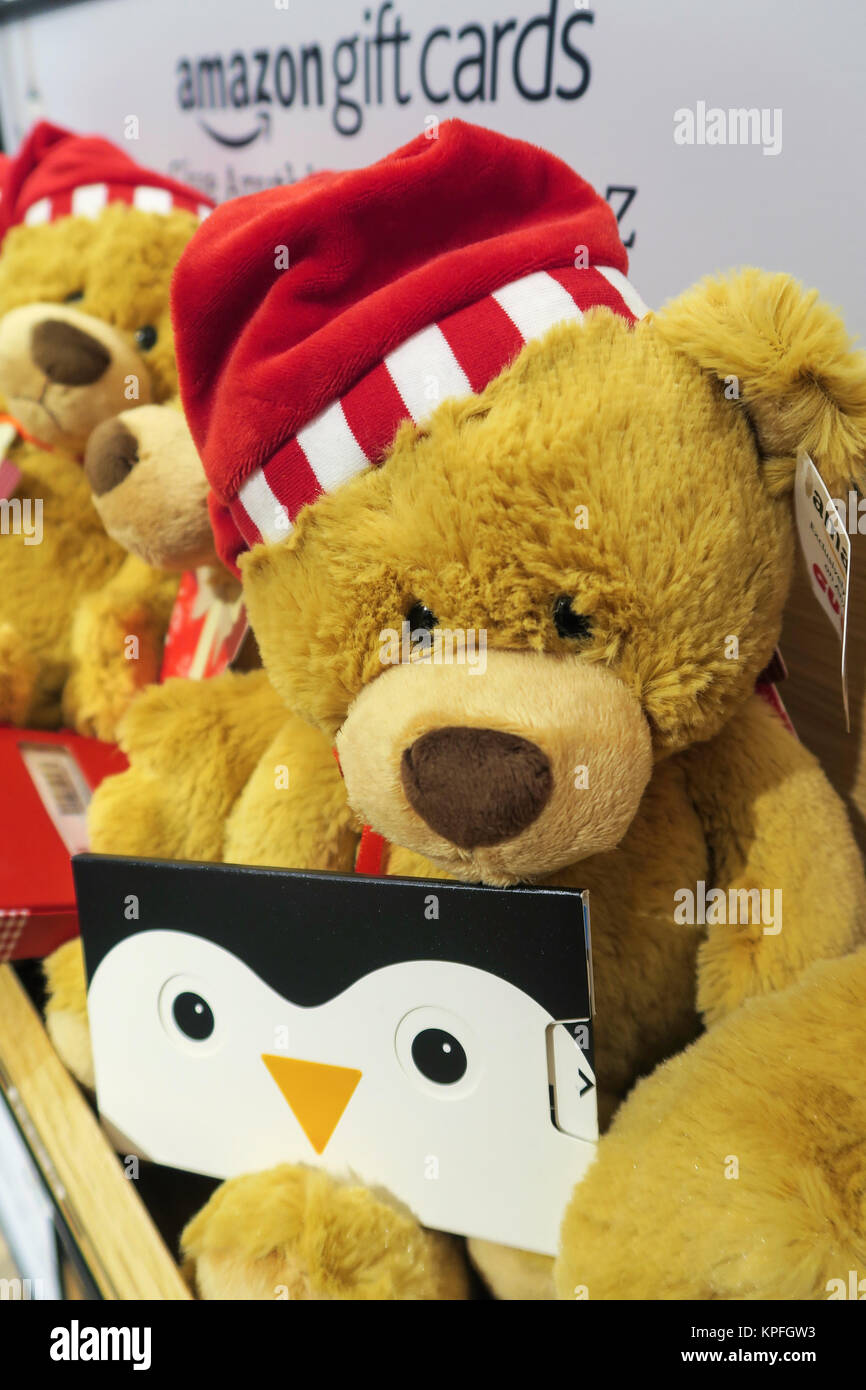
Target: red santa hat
[[311, 320], [56, 173]]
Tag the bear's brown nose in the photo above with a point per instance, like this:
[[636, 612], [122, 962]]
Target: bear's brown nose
[[111, 454], [476, 786], [67, 355]]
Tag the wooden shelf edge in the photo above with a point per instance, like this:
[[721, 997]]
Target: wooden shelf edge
[[127, 1256]]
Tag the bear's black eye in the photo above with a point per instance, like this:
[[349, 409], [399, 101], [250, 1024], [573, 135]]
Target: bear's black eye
[[193, 1016], [568, 623], [439, 1056], [419, 615], [71, 298], [145, 336]]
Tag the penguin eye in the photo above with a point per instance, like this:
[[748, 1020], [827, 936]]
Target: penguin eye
[[146, 336], [75, 295], [439, 1052], [567, 622], [419, 615], [193, 1016], [439, 1056], [190, 1011]]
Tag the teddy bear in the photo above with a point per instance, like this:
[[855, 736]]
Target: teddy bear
[[89, 243], [473, 426], [150, 492]]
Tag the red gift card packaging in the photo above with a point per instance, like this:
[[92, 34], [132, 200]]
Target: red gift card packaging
[[46, 781]]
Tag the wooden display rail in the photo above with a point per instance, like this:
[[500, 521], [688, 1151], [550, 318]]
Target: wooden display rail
[[124, 1252]]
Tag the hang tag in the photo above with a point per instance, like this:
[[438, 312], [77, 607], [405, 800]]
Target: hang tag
[[8, 435], [826, 548], [10, 476], [206, 632]]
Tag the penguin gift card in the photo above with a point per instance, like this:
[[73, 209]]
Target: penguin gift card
[[430, 1038]]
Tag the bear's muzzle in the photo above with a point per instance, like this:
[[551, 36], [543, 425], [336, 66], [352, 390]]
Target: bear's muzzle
[[503, 777]]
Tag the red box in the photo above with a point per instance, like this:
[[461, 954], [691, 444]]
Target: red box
[[45, 784]]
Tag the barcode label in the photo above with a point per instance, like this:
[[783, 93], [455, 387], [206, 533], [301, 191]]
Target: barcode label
[[62, 790]]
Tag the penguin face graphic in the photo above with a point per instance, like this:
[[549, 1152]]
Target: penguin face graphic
[[436, 1078]]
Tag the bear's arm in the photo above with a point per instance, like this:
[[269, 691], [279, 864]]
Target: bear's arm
[[773, 824], [293, 812], [191, 745], [117, 643]]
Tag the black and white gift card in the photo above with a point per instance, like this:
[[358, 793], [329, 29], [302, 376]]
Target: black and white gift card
[[426, 1037]]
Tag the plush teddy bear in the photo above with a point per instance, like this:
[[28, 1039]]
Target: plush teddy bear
[[90, 241], [471, 426]]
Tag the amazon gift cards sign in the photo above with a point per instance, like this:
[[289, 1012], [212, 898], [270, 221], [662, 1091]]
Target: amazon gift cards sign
[[702, 155]]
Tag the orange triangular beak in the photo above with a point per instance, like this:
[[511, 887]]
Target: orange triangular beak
[[317, 1093]]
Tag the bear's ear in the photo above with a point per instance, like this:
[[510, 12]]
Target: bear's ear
[[797, 375]]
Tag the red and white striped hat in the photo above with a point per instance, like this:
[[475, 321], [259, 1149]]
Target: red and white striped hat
[[414, 280], [58, 174]]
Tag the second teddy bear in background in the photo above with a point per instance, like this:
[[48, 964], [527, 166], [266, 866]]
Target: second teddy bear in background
[[90, 241]]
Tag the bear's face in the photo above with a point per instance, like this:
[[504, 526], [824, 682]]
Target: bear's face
[[598, 564], [149, 489], [85, 329]]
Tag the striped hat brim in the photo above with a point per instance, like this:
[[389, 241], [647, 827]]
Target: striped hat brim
[[455, 357], [56, 174], [89, 200]]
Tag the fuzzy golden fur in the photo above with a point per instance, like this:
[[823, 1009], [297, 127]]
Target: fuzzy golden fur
[[301, 1234], [121, 265], [714, 1043], [476, 518], [69, 604]]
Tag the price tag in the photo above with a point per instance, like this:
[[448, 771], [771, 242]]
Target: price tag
[[62, 789], [10, 476], [826, 548]]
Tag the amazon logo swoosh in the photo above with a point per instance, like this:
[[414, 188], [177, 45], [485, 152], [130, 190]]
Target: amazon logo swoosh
[[239, 142]]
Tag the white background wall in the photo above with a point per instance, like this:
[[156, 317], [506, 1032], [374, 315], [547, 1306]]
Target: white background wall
[[696, 208]]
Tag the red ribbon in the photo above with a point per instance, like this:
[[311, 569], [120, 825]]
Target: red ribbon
[[31, 438], [371, 850]]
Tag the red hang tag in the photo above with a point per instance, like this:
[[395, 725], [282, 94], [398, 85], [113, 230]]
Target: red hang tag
[[205, 633], [10, 476]]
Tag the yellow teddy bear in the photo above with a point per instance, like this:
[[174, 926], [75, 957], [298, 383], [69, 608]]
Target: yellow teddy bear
[[89, 243], [592, 506]]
